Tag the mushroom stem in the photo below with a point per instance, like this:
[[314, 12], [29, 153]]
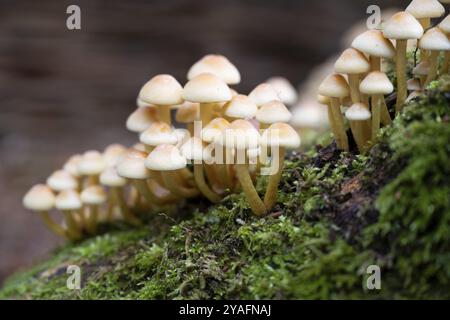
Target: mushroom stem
[[190, 128], [341, 138], [52, 225], [353, 82], [376, 116], [72, 226], [202, 186], [356, 128], [270, 198], [173, 183], [446, 65], [434, 61], [93, 180], [164, 114], [375, 63], [332, 121], [92, 220], [117, 193], [206, 113], [160, 192], [255, 202], [401, 74], [144, 190], [385, 116]]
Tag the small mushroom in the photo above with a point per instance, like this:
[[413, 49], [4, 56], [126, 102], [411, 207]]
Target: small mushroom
[[141, 119], [425, 10], [158, 133], [336, 87], [113, 153], [93, 197], [240, 107], [217, 65], [272, 112], [162, 91], [263, 93], [91, 165], [168, 160], [193, 150], [279, 137], [187, 114], [69, 203], [377, 85], [285, 90], [358, 112], [373, 43], [208, 90], [116, 184], [401, 27], [62, 180], [41, 199], [435, 41], [71, 166]]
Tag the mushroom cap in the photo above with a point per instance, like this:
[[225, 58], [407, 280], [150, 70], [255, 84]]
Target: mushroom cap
[[402, 26], [352, 61], [445, 24], [435, 40], [206, 88], [68, 200], [193, 149], [376, 83], [113, 153], [141, 103], [241, 107], [61, 180], [158, 133], [39, 198], [188, 112], [71, 165], [132, 166], [182, 135], [165, 157], [372, 42], [422, 69], [163, 90], [217, 65], [263, 93], [240, 134], [141, 119], [414, 85], [358, 112], [284, 89], [214, 129], [334, 86], [323, 100], [272, 112], [425, 9], [139, 146], [92, 163], [93, 195], [281, 135], [110, 178]]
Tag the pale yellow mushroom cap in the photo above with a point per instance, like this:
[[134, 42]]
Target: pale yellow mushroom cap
[[68, 200], [425, 9], [132, 166], [217, 65], [358, 112], [188, 112], [284, 89], [402, 26], [158, 133], [214, 129], [263, 93], [163, 90], [282, 135], [334, 86], [113, 153], [323, 100], [141, 103], [39, 198], [193, 149], [139, 146], [182, 135], [93, 195], [373, 43], [352, 61], [206, 88], [92, 163], [376, 83], [110, 178], [422, 69], [241, 107], [141, 119], [272, 112], [445, 24], [435, 40], [71, 165], [240, 134], [165, 157], [413, 85], [61, 180]]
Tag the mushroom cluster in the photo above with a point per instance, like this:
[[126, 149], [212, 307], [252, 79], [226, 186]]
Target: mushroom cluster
[[359, 83], [227, 140]]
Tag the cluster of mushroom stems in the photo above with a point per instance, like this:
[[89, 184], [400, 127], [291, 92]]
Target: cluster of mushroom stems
[[360, 84], [229, 139]]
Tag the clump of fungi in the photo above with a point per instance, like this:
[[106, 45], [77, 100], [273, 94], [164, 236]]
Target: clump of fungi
[[231, 138]]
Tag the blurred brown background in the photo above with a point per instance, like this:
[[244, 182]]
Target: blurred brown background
[[63, 92]]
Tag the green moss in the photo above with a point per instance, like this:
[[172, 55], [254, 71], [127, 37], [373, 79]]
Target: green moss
[[337, 214]]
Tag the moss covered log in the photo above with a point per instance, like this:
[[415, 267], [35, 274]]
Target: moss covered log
[[337, 214]]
